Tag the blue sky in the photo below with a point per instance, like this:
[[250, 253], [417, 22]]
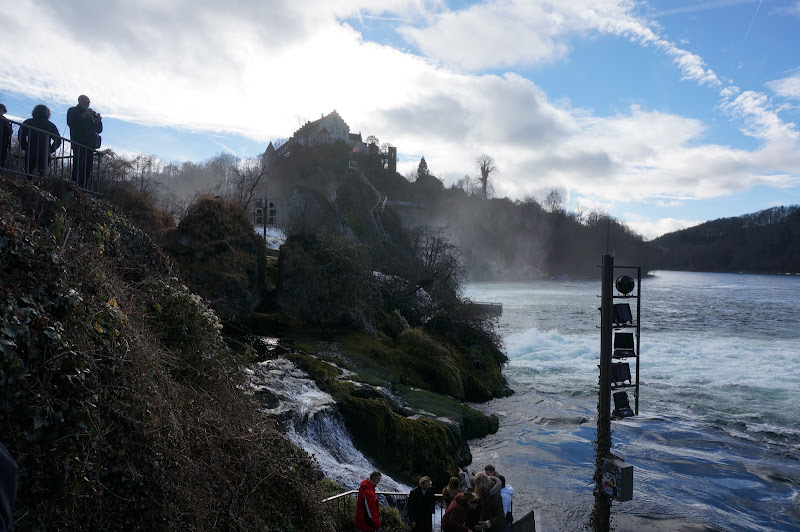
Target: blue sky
[[662, 113]]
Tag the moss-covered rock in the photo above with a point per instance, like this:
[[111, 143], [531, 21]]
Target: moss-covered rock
[[220, 256], [396, 436]]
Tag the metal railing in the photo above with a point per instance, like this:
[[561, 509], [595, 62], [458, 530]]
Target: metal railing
[[51, 156], [343, 507]]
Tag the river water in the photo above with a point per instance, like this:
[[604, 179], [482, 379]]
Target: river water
[[717, 443]]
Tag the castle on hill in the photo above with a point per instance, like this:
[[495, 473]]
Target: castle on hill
[[328, 128]]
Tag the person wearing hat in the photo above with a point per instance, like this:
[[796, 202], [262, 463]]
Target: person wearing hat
[[421, 504]]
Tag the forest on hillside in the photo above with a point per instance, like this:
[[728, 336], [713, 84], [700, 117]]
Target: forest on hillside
[[499, 238], [766, 241]]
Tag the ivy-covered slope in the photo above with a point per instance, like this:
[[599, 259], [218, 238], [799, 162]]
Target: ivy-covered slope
[[118, 397]]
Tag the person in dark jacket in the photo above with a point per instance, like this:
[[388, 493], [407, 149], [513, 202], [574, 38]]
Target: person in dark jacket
[[368, 517], [492, 517], [85, 126], [8, 488], [5, 136], [455, 517], [492, 472], [38, 138], [421, 504]]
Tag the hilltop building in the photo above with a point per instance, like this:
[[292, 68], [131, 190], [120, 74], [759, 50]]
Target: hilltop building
[[273, 194], [328, 128]]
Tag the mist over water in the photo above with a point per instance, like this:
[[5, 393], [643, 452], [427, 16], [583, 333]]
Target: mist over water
[[717, 441]]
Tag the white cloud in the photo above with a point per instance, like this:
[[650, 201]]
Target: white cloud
[[262, 68], [793, 9], [503, 34], [651, 229], [788, 87]]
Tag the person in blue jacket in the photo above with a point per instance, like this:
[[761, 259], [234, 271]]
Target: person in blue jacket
[[38, 138], [85, 126]]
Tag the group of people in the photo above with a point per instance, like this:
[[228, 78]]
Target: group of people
[[479, 503], [39, 139]]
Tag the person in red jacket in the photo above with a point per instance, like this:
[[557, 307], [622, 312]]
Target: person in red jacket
[[455, 517], [368, 517]]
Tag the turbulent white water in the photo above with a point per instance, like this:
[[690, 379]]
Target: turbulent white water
[[717, 443], [313, 423]]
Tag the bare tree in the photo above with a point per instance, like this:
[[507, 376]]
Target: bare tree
[[439, 266], [144, 173], [240, 178], [487, 168], [467, 184], [553, 202]]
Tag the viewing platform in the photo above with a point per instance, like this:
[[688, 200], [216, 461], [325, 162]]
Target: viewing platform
[[341, 508], [495, 309]]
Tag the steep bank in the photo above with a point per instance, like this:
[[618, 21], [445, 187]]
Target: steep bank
[[120, 400], [125, 405]]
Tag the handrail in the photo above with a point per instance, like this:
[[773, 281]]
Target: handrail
[[58, 164], [392, 493], [523, 525], [340, 502]]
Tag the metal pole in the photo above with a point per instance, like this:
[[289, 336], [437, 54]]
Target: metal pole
[[638, 330], [600, 520]]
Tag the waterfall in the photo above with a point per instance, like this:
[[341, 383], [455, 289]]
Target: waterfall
[[313, 422]]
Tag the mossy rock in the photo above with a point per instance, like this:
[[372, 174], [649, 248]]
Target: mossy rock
[[405, 447], [220, 256]]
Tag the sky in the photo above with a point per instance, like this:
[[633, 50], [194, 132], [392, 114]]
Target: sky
[[661, 113]]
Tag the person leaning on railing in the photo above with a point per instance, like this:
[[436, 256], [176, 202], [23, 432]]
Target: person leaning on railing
[[38, 138]]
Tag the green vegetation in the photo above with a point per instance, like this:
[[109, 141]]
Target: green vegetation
[[394, 405], [219, 255], [120, 400]]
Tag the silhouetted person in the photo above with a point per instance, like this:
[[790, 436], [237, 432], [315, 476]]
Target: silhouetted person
[[85, 127], [8, 488], [38, 138], [5, 136]]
